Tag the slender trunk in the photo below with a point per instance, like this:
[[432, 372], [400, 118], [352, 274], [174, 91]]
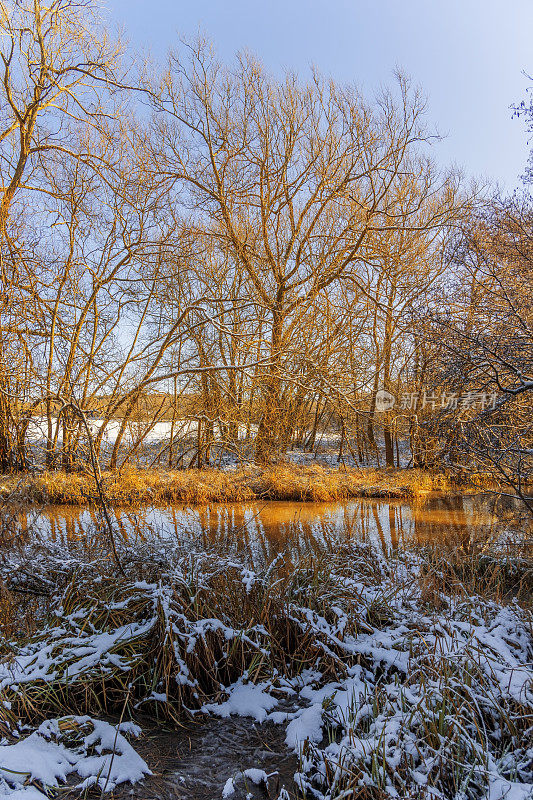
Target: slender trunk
[[120, 435], [269, 435], [199, 443], [310, 443], [387, 352], [372, 411], [173, 422], [340, 456]]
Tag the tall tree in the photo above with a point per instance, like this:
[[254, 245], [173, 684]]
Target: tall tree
[[294, 179], [56, 66]]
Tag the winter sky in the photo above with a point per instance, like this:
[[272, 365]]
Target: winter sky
[[468, 55]]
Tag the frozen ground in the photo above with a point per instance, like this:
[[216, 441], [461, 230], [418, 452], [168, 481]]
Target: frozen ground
[[156, 437], [159, 432]]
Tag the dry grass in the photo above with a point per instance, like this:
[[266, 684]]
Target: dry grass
[[189, 633], [500, 577], [196, 487], [179, 628]]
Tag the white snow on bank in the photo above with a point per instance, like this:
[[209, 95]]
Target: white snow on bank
[[100, 756], [245, 700], [256, 776], [159, 432], [38, 430], [386, 669]]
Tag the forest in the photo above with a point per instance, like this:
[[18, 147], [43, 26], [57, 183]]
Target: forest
[[212, 264], [266, 432]]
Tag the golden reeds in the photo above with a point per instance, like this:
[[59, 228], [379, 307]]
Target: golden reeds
[[286, 481]]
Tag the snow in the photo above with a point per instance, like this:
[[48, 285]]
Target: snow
[[501, 789], [21, 792], [104, 757], [245, 700], [370, 693], [326, 450], [229, 788], [91, 651], [307, 726], [256, 776], [38, 430], [159, 432]]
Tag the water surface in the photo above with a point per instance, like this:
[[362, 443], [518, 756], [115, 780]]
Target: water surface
[[261, 530]]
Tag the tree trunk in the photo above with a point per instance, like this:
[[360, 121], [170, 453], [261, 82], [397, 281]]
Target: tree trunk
[[270, 433]]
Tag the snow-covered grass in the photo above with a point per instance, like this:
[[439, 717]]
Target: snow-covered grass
[[90, 749], [391, 677]]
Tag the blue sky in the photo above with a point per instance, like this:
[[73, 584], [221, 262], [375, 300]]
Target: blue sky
[[468, 56]]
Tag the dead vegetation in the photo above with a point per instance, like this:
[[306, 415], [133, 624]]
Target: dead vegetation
[[130, 487], [421, 660]]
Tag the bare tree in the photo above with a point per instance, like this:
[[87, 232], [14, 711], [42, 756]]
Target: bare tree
[[56, 64], [294, 179], [486, 348]]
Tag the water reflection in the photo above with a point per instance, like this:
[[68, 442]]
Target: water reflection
[[262, 530]]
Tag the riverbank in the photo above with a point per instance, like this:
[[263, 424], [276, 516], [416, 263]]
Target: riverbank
[[197, 487], [384, 678]]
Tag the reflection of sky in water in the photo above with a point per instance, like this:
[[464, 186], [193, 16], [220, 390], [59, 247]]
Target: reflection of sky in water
[[263, 529]]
